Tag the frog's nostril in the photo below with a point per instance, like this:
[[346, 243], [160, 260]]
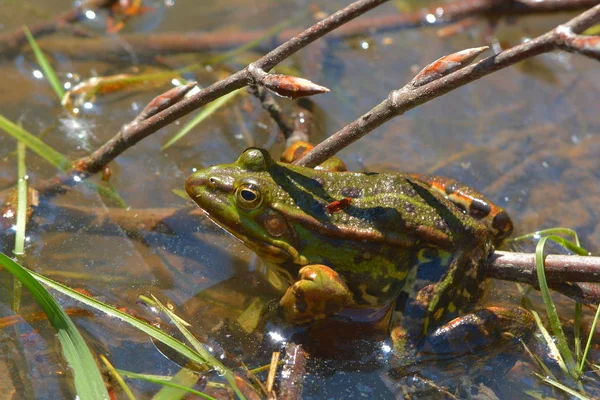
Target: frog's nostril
[[212, 181]]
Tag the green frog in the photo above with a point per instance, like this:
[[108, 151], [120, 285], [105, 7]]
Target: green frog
[[354, 244]]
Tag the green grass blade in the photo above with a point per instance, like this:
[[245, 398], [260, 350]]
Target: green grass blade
[[577, 330], [589, 341], [183, 377], [551, 231], [87, 377], [116, 376], [562, 387], [45, 65], [206, 112], [164, 383], [210, 359], [55, 158], [22, 201], [35, 144], [550, 343], [113, 312], [561, 340]]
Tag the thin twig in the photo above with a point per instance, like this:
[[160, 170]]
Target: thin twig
[[399, 101], [269, 104], [135, 131]]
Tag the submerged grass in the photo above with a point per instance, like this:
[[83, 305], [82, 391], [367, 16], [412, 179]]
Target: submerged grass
[[22, 201], [206, 112], [571, 362], [87, 378], [52, 156], [195, 355], [210, 359], [117, 377], [164, 381], [553, 319], [45, 65], [35, 144]]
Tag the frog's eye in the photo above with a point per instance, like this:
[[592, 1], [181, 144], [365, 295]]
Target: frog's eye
[[248, 196]]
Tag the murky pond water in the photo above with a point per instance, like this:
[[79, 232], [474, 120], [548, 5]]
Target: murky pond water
[[527, 136]]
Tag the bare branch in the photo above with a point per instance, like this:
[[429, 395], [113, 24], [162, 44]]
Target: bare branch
[[567, 274], [269, 104], [133, 132], [407, 98], [520, 267]]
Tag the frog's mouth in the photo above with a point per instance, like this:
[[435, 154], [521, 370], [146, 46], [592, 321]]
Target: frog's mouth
[[215, 197]]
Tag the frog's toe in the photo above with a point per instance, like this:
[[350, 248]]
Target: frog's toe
[[475, 331], [319, 293]]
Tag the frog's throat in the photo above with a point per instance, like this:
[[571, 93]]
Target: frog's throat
[[274, 251]]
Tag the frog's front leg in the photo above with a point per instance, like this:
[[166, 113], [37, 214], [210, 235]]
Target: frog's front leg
[[319, 293]]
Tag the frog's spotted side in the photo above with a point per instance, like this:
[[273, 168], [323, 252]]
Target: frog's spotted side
[[387, 236]]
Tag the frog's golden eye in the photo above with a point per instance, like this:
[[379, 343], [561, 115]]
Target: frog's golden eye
[[248, 196]]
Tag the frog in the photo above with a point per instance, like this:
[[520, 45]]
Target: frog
[[407, 249]]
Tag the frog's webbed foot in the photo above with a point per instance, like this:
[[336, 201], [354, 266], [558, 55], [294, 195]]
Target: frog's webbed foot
[[319, 293], [472, 332]]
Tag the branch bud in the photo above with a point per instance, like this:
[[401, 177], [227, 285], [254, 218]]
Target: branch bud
[[446, 65], [290, 86]]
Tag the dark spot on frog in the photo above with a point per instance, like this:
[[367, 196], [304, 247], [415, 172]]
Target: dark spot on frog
[[451, 188], [479, 208], [352, 192], [501, 221]]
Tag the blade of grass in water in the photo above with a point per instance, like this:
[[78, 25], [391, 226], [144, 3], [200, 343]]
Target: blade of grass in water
[[574, 246], [35, 144], [52, 156], [577, 330], [45, 65], [21, 202], [589, 341], [115, 374], [87, 378], [550, 343], [561, 340], [163, 382], [563, 387], [200, 348], [206, 112], [184, 377], [140, 325], [21, 221]]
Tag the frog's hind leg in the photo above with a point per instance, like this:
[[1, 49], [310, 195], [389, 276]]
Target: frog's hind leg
[[494, 217], [477, 330]]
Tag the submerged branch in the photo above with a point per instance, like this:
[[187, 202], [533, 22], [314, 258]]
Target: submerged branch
[[148, 46], [10, 43]]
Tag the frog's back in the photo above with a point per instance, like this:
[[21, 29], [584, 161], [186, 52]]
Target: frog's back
[[389, 224]]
